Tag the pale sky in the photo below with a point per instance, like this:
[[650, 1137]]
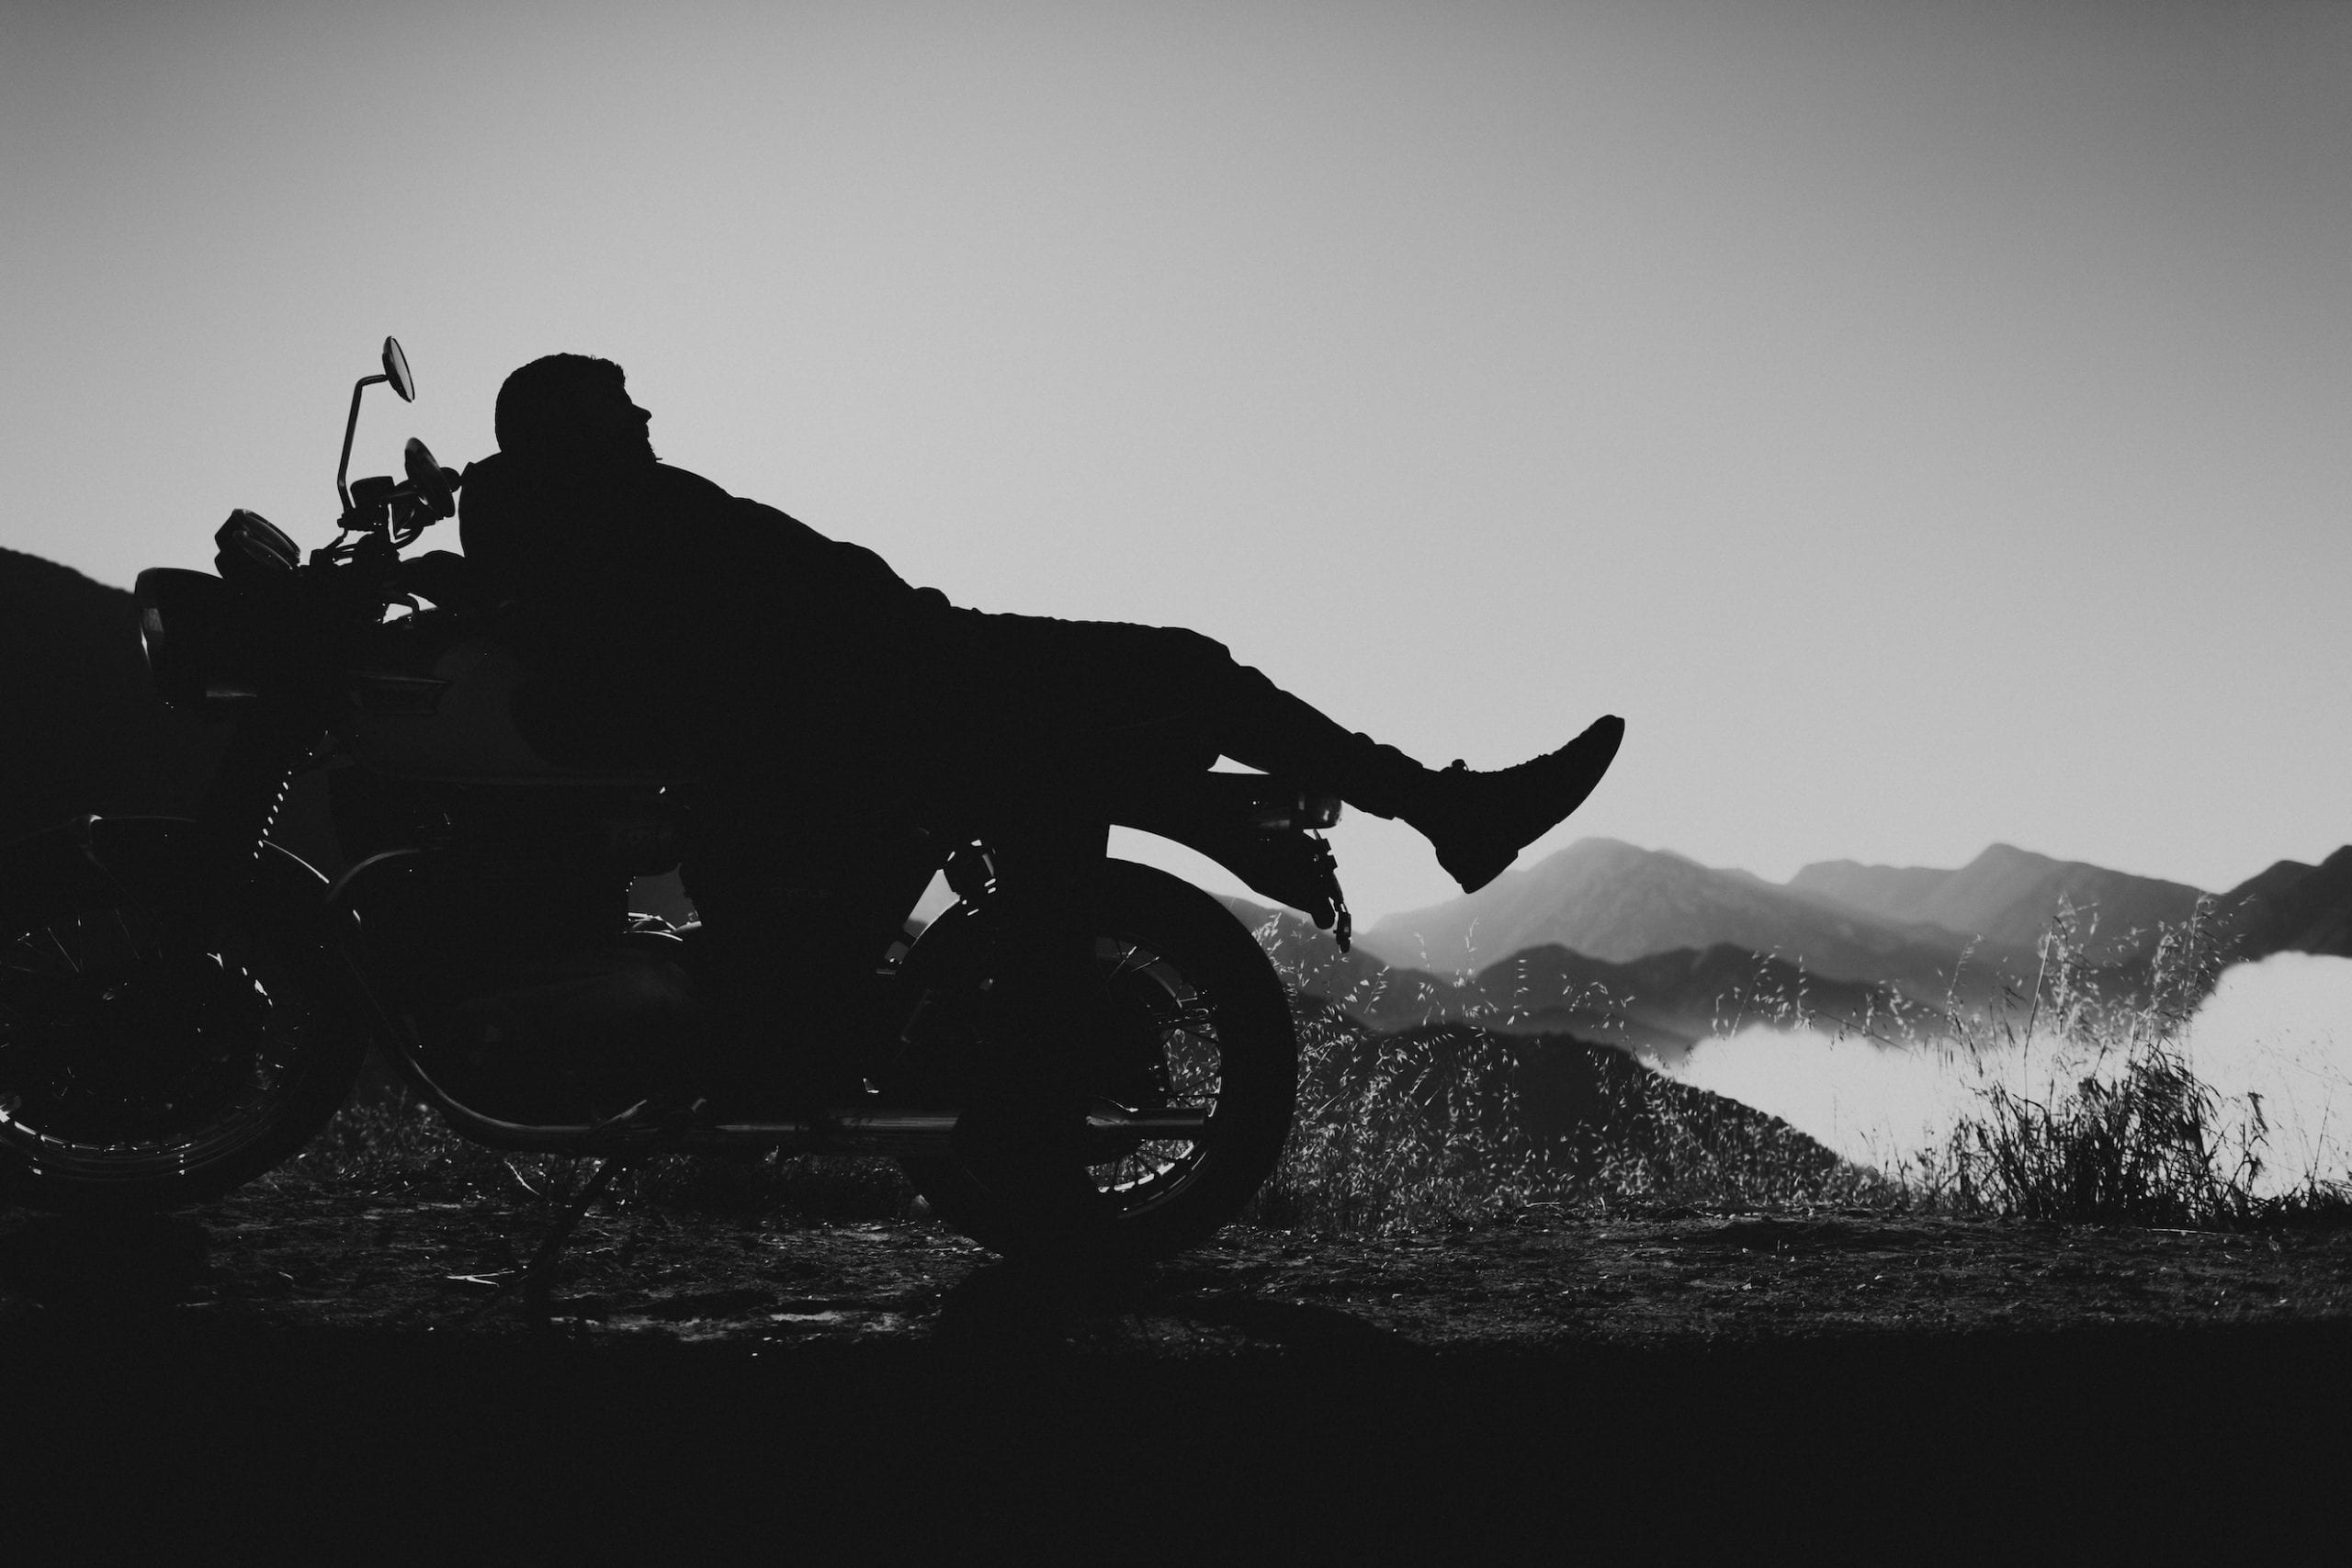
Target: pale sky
[[1924, 423]]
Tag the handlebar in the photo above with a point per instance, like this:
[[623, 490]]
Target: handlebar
[[385, 508], [381, 504]]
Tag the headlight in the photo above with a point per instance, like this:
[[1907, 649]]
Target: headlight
[[182, 618]]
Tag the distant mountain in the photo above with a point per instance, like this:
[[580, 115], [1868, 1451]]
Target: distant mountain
[[1661, 1004], [1612, 901], [81, 729], [1886, 891], [2292, 908], [2006, 896]]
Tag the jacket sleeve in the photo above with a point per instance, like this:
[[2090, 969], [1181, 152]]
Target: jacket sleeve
[[834, 587], [484, 525]]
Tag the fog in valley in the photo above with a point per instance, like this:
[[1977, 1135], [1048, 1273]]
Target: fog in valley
[[2274, 1035]]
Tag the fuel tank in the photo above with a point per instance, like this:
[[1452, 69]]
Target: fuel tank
[[438, 700]]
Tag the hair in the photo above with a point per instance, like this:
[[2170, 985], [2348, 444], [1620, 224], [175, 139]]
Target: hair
[[535, 404]]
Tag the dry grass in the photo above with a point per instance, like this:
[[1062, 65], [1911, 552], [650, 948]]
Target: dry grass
[[1452, 1125], [2126, 1133]]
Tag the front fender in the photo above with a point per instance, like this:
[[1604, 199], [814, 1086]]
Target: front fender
[[93, 863]]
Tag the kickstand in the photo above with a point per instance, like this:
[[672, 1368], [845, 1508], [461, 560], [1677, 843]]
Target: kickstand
[[667, 1124], [538, 1279]]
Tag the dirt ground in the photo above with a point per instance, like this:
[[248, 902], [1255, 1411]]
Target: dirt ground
[[305, 1256], [896, 1392]]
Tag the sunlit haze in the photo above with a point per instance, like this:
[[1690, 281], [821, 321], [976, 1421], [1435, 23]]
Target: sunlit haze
[[1925, 423], [2273, 1043]]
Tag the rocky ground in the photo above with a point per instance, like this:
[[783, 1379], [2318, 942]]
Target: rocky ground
[[313, 1356]]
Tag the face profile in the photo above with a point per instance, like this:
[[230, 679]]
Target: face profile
[[611, 422]]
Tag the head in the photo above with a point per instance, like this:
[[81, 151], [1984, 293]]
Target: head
[[570, 409]]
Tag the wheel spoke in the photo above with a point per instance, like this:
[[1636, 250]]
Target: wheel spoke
[[51, 932], [129, 940], [1184, 1047], [1127, 962]]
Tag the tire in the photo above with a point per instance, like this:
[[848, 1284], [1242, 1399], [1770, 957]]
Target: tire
[[137, 1074], [1190, 1013]]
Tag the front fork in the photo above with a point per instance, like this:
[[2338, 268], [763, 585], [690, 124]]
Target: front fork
[[241, 805]]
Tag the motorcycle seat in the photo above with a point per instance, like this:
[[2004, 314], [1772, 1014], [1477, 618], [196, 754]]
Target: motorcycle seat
[[1151, 748]]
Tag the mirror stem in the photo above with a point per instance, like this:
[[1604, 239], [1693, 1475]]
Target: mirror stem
[[349, 427]]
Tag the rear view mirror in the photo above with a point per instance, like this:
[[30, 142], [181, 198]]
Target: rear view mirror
[[396, 370]]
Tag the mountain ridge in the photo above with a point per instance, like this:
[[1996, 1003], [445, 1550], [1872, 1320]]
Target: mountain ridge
[[1660, 1005], [1613, 901], [2007, 897], [2292, 908]]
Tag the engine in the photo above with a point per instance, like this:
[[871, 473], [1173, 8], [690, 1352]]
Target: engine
[[495, 922]]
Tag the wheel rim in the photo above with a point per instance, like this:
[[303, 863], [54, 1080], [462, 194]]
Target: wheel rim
[[118, 1063], [1160, 1046]]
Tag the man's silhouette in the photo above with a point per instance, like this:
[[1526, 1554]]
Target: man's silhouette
[[827, 704]]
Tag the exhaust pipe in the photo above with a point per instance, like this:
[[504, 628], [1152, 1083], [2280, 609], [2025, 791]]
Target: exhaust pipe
[[849, 1131], [920, 1133]]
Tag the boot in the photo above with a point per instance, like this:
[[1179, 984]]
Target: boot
[[1479, 822], [1031, 1161], [1022, 1138]]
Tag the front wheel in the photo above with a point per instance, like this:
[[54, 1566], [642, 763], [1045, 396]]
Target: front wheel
[[141, 1068], [1187, 1015]]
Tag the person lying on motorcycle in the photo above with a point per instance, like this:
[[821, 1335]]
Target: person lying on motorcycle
[[825, 699]]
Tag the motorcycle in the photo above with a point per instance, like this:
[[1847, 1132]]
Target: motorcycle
[[185, 1002]]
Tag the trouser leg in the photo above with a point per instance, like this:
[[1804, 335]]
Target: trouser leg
[[1048, 677], [1021, 1136], [1260, 724], [1045, 962]]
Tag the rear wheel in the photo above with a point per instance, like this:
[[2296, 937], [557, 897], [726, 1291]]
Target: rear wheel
[[1187, 1015], [141, 1068]]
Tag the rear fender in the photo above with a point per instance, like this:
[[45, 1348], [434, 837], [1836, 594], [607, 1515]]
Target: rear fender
[[1225, 817]]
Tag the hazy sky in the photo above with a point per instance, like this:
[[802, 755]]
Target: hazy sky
[[1926, 424]]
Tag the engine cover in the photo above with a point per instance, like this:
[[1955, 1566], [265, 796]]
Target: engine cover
[[577, 1048]]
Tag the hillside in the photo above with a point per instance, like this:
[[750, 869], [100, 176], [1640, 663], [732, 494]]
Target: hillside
[[80, 727], [2293, 908], [1404, 1124], [80, 730]]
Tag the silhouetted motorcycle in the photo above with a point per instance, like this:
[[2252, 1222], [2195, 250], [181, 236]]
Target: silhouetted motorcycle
[[183, 1003]]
